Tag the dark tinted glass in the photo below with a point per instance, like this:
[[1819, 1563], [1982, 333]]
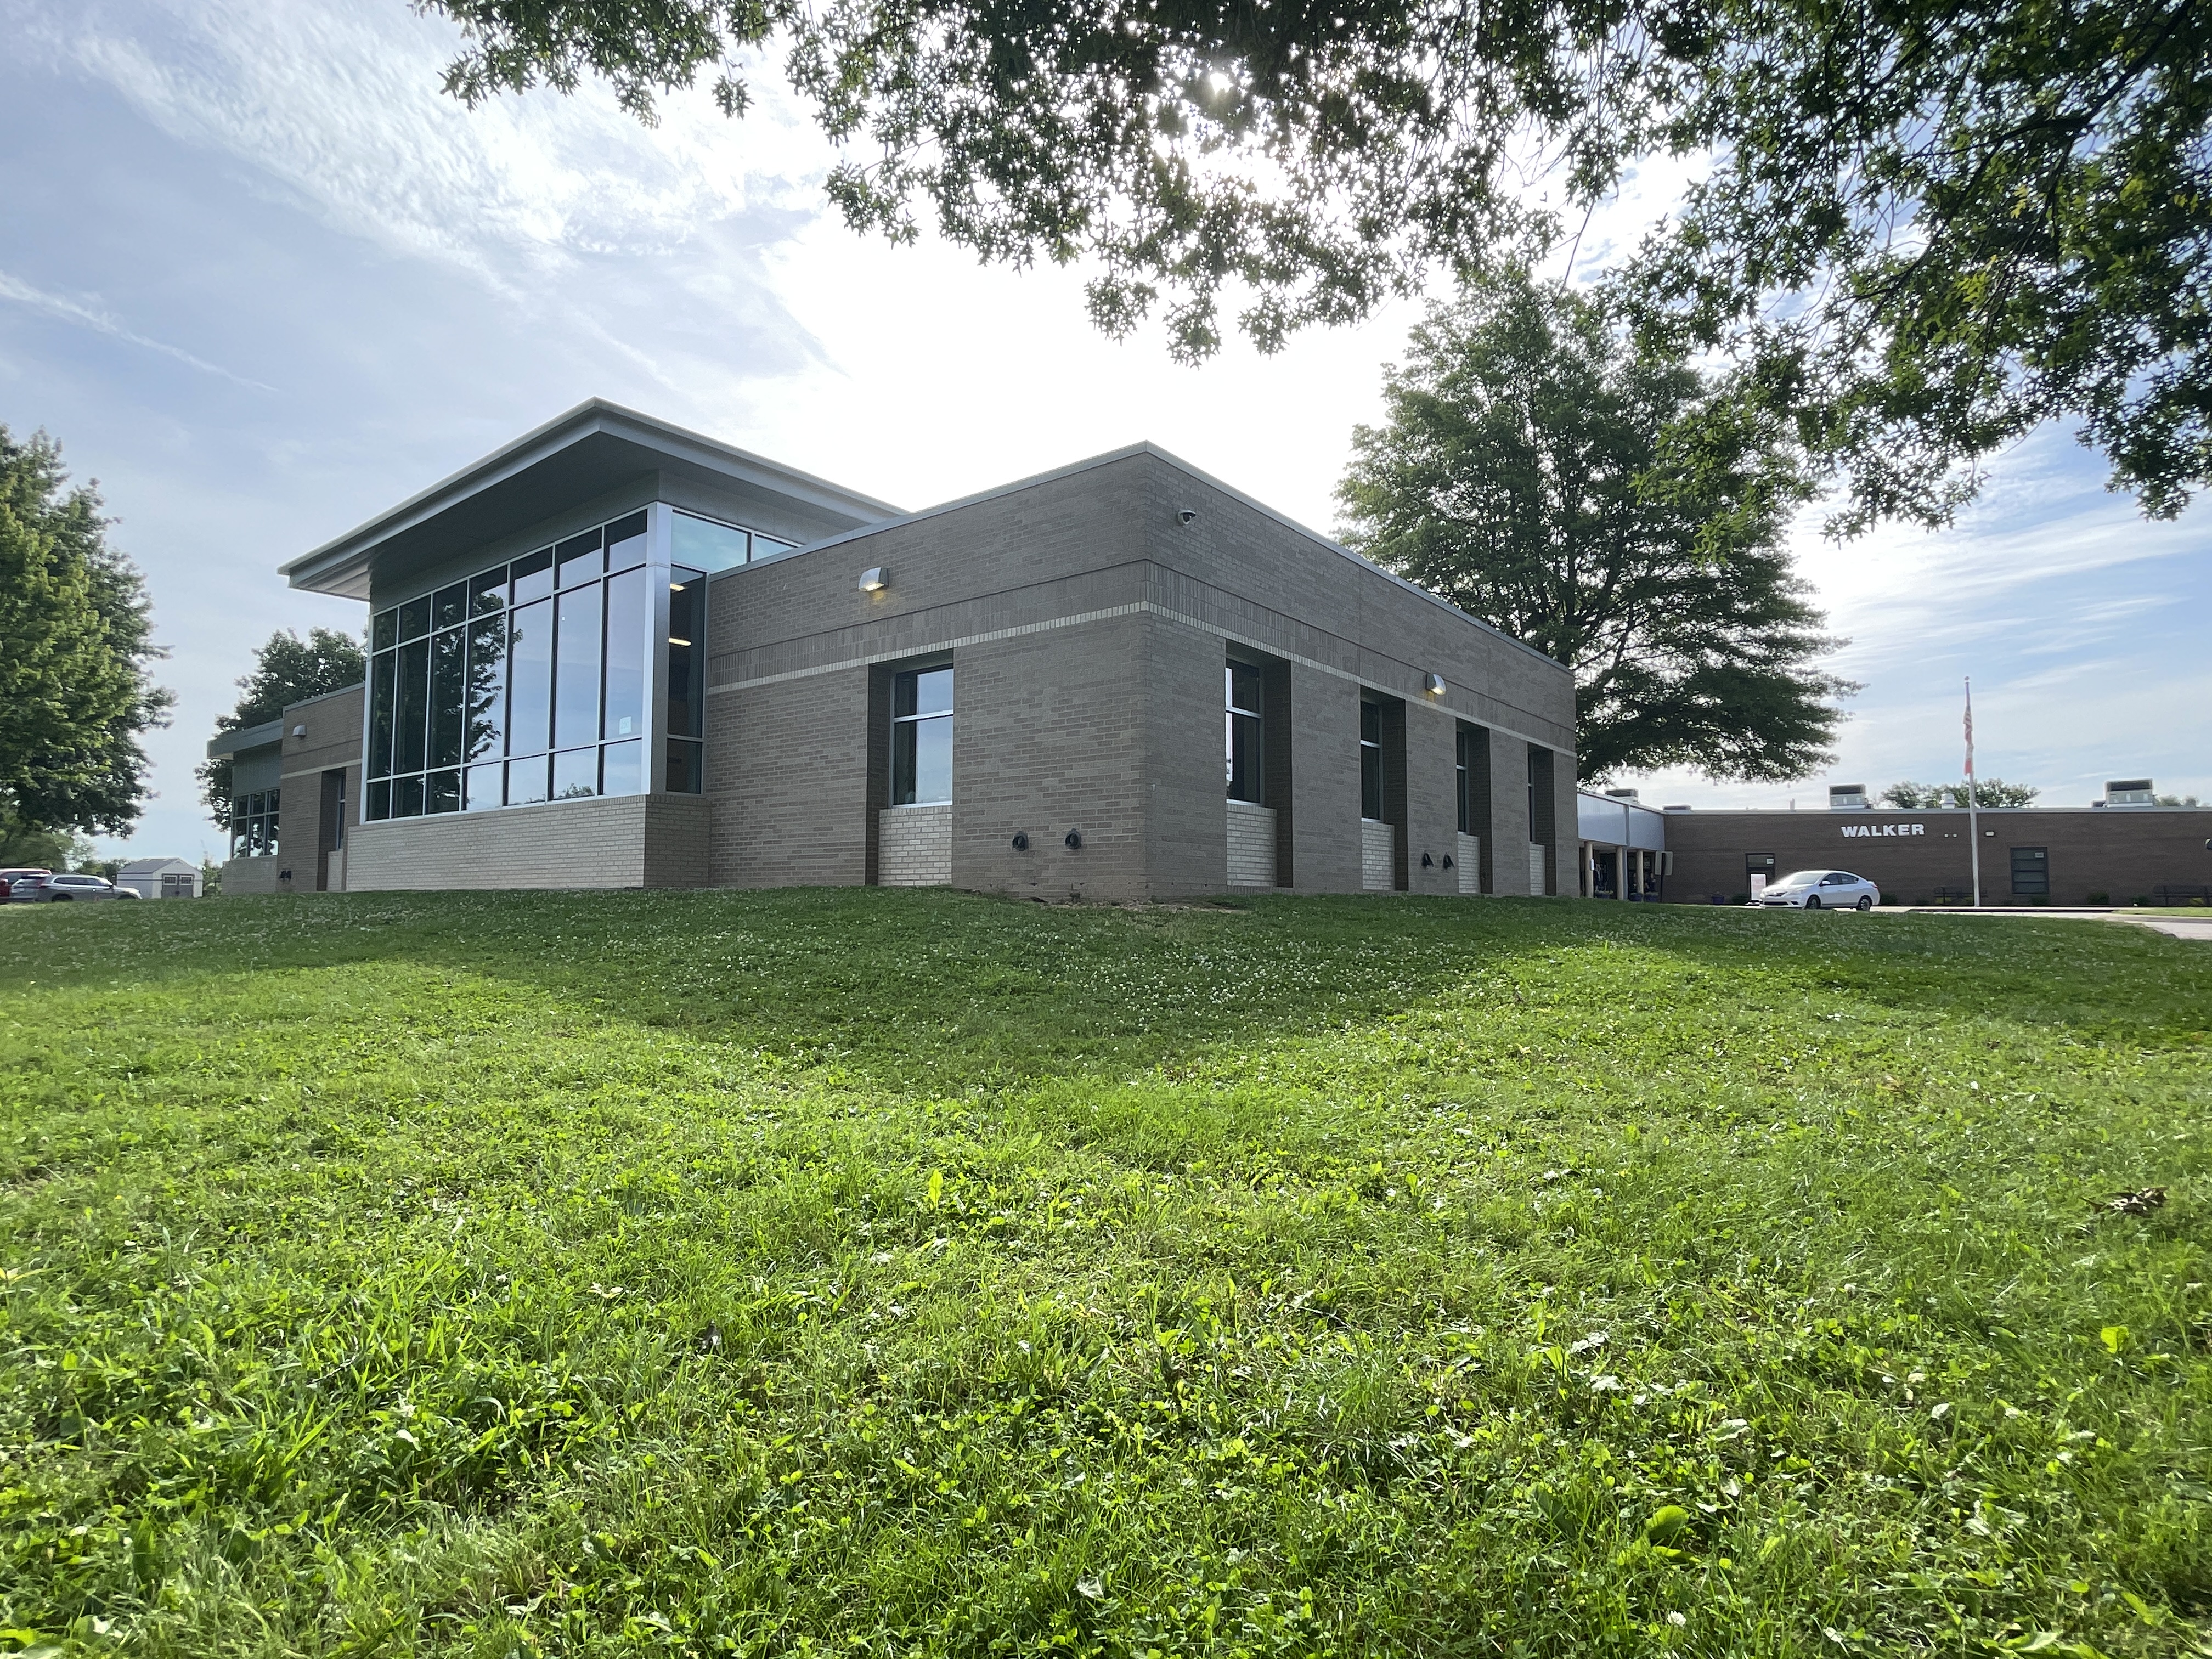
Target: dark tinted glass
[[1371, 722], [415, 618], [384, 632], [625, 646], [379, 801], [529, 681], [412, 723], [449, 604], [444, 793], [448, 653], [579, 559], [684, 778], [626, 542], [383, 688], [1244, 688], [922, 762], [487, 591], [407, 797], [532, 575], [686, 654], [1245, 779]]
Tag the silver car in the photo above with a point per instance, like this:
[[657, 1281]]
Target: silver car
[[63, 889], [1822, 890]]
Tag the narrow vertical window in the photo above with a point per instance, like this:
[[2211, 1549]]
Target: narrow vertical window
[[921, 737], [687, 687], [529, 678], [1463, 777], [411, 731], [576, 668], [448, 704], [383, 690], [1371, 760], [626, 641], [1246, 764]]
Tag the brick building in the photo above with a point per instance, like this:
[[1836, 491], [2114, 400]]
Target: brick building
[[617, 654]]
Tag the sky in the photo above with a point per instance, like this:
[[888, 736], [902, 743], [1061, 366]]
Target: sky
[[261, 280]]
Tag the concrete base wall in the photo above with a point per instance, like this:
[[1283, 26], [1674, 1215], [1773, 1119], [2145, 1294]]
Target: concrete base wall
[[242, 878], [628, 841]]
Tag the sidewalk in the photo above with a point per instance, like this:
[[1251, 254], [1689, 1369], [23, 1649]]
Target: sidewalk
[[2198, 927]]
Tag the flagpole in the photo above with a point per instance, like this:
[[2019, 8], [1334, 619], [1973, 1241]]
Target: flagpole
[[1973, 822]]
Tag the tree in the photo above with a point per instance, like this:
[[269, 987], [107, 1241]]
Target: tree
[[75, 643], [286, 670], [1926, 227], [1612, 508], [1988, 792]]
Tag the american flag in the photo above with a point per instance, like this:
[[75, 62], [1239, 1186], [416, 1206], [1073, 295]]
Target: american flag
[[1970, 728]]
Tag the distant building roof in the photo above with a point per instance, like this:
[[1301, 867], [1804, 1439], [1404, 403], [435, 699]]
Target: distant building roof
[[247, 737], [156, 867]]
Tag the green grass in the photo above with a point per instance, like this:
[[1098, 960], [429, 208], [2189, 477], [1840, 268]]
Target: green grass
[[887, 1273]]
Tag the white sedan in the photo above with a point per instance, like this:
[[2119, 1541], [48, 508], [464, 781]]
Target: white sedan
[[1822, 890]]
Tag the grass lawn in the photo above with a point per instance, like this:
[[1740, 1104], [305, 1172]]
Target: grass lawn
[[886, 1273]]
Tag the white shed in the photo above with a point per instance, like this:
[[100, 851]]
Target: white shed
[[161, 878]]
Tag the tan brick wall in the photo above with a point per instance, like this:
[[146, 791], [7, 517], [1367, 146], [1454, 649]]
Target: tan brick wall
[[1379, 857], [1468, 864], [914, 846], [610, 842], [1251, 845]]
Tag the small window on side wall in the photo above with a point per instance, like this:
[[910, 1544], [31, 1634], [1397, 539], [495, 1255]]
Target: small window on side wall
[[921, 736], [1247, 755]]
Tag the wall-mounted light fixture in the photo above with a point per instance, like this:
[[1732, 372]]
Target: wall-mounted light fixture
[[1072, 839], [1434, 684], [1021, 841], [1428, 862], [875, 578], [1187, 516], [1447, 861], [299, 731]]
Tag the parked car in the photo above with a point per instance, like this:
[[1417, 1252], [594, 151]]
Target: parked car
[[61, 889], [8, 878], [1822, 890]]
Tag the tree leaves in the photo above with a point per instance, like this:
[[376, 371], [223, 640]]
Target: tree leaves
[[75, 641], [1607, 506]]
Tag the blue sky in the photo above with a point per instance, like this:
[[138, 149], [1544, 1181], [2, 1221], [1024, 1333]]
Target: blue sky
[[261, 280]]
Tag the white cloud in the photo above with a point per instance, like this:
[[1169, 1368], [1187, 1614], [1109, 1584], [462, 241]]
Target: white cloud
[[89, 313]]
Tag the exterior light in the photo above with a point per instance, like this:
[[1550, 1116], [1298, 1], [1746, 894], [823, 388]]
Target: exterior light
[[1188, 515], [299, 731], [1021, 841], [1072, 839], [875, 578], [672, 640], [1434, 684]]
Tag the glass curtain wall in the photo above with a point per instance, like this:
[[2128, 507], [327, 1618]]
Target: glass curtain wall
[[525, 683], [253, 825]]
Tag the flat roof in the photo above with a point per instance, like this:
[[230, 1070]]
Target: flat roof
[[246, 737], [576, 456]]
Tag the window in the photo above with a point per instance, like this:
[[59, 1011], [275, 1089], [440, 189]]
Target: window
[[253, 825], [921, 736], [2030, 872], [1472, 778], [503, 689], [1759, 864], [687, 659], [1246, 759], [1370, 759]]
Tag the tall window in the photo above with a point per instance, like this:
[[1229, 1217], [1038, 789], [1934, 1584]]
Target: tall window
[[921, 736], [2030, 872], [1370, 759], [1472, 776], [524, 683], [253, 825], [687, 680], [1246, 762]]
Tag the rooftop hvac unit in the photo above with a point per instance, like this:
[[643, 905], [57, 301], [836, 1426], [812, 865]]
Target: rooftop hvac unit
[[1848, 798], [2130, 792]]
